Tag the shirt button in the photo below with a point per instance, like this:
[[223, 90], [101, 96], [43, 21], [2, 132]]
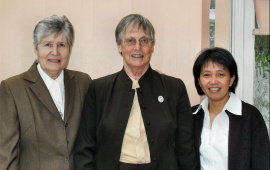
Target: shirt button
[[66, 160]]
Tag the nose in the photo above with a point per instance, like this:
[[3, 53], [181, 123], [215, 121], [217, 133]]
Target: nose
[[54, 50], [214, 80], [137, 46]]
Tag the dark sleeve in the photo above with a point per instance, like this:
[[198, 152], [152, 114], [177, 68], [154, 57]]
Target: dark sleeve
[[185, 149], [9, 129], [85, 147], [259, 142]]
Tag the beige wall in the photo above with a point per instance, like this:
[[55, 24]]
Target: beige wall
[[178, 25]]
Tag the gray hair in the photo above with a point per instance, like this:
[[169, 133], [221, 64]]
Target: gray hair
[[134, 20], [54, 24]]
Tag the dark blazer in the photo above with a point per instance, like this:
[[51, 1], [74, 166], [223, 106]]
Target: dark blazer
[[32, 134], [168, 124], [248, 139]]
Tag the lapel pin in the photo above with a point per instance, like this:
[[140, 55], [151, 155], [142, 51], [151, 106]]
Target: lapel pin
[[160, 99]]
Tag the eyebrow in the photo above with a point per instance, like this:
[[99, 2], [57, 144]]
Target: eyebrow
[[215, 70]]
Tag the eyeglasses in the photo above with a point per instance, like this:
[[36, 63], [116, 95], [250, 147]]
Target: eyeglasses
[[144, 42]]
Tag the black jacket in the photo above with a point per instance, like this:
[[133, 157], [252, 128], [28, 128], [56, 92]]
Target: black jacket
[[168, 124], [248, 139]]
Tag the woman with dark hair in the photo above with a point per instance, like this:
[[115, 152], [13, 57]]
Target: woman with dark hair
[[229, 133], [136, 119], [40, 109]]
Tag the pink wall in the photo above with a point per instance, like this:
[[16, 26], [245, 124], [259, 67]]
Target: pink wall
[[178, 25]]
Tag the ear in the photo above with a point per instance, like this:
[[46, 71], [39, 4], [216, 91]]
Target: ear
[[119, 47], [153, 47], [232, 80], [35, 50]]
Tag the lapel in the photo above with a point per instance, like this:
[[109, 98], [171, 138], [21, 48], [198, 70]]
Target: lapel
[[69, 92], [235, 133], [40, 90]]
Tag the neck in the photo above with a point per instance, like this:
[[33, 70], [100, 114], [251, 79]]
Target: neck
[[136, 73], [215, 107], [53, 75]]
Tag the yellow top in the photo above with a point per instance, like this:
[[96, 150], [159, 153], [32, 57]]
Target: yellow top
[[135, 149]]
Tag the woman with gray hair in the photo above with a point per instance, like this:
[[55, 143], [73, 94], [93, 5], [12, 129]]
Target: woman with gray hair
[[40, 109], [136, 119]]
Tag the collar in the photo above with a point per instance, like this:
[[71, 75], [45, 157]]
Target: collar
[[146, 77], [233, 105], [48, 80], [135, 83]]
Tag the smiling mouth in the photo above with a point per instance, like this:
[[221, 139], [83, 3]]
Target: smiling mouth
[[214, 89], [54, 61], [137, 56]]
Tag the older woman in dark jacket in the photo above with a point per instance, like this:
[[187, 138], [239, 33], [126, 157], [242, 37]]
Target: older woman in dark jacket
[[229, 133], [136, 118]]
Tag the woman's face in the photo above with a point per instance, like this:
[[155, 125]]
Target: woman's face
[[215, 81], [136, 56], [53, 54]]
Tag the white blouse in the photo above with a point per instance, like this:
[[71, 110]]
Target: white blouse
[[214, 140], [56, 88]]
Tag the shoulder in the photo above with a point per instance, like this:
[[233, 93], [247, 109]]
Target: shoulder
[[81, 78], [249, 110], [106, 79], [102, 83], [173, 83], [171, 79], [14, 81], [194, 108], [80, 75], [251, 113]]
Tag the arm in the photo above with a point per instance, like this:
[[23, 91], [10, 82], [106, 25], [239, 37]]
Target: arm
[[184, 140], [259, 143], [85, 147], [9, 130]]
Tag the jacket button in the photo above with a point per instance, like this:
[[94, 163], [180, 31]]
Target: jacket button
[[148, 123], [144, 107], [140, 90], [152, 140], [66, 125], [66, 160], [154, 159], [67, 142]]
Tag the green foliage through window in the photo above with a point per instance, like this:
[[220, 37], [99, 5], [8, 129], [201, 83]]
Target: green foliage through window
[[262, 57]]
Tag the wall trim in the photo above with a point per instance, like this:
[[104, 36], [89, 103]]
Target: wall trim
[[242, 46]]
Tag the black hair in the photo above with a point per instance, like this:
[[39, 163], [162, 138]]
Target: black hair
[[217, 56]]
